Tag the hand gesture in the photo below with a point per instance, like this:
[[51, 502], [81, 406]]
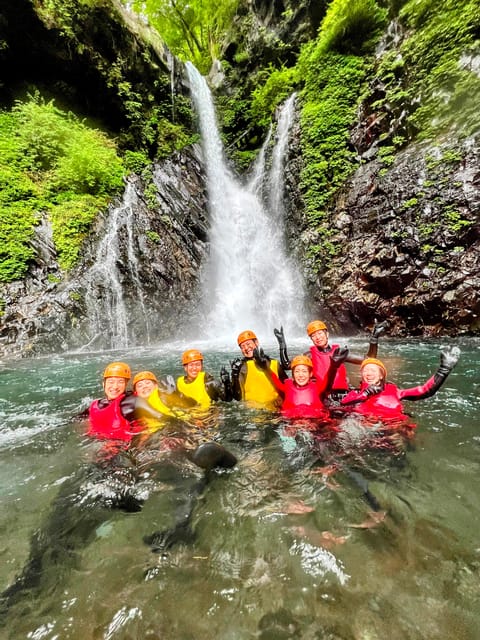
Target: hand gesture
[[280, 336], [224, 376], [339, 356], [378, 329], [235, 366], [449, 357], [372, 390], [167, 384], [261, 360]]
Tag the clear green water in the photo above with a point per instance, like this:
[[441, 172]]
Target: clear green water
[[254, 570]]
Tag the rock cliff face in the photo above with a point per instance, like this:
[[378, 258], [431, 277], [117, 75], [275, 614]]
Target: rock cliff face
[[406, 236], [45, 313], [409, 244]]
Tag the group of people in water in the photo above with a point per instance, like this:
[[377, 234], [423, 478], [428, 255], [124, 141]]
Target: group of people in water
[[317, 389]]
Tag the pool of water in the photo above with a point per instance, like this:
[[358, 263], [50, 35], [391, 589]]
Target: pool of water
[[286, 544]]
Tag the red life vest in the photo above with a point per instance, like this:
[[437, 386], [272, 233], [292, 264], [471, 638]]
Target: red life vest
[[385, 404], [108, 422], [321, 365], [302, 402]]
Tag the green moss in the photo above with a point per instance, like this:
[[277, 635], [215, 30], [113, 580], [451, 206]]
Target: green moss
[[50, 162], [153, 236], [436, 82]]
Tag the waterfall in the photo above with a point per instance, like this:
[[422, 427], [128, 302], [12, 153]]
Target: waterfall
[[113, 265], [250, 282]]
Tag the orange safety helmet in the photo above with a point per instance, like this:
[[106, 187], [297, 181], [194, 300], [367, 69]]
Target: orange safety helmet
[[192, 355], [316, 325], [117, 370], [301, 360], [379, 363], [246, 335], [144, 375]]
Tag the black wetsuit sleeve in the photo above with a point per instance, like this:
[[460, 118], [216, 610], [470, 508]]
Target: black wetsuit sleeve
[[214, 388], [127, 407]]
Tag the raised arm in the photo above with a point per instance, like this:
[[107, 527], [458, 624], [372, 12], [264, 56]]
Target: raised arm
[[448, 359]]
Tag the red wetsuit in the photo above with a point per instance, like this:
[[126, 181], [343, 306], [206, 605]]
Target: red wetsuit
[[302, 402], [321, 364], [107, 419], [387, 403]]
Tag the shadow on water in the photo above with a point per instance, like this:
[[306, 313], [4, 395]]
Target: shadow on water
[[116, 485]]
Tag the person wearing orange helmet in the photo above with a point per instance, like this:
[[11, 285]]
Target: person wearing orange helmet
[[303, 396], [378, 398], [113, 417], [321, 350], [199, 385], [151, 407], [250, 382]]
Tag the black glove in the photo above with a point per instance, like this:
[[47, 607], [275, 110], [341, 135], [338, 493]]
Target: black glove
[[339, 356], [235, 366], [167, 385], [448, 359], [280, 336], [261, 360], [284, 359], [378, 329], [224, 376], [372, 390]]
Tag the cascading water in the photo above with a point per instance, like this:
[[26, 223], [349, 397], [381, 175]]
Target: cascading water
[[105, 300], [250, 282]]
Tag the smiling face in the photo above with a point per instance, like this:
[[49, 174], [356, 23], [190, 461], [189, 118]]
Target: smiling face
[[320, 338], [144, 388], [192, 369], [247, 347], [372, 374], [114, 387], [302, 374]]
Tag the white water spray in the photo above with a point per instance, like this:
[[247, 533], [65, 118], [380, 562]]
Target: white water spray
[[250, 282], [107, 311]]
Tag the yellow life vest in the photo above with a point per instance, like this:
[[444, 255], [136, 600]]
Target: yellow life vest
[[154, 424], [195, 390], [258, 391]]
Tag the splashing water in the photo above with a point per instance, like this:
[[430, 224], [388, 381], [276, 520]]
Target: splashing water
[[249, 281]]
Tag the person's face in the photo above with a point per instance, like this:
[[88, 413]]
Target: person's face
[[247, 347], [372, 374], [192, 369], [144, 388], [114, 387], [320, 338], [301, 374]]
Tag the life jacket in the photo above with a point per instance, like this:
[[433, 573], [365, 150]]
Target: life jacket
[[108, 422], [258, 390], [195, 390], [154, 423], [321, 364], [385, 404], [302, 402]]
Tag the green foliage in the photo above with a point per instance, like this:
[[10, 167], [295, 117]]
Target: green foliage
[[71, 220], [50, 161], [153, 236], [334, 70], [437, 58], [275, 85], [135, 161], [329, 107], [350, 27], [193, 29]]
